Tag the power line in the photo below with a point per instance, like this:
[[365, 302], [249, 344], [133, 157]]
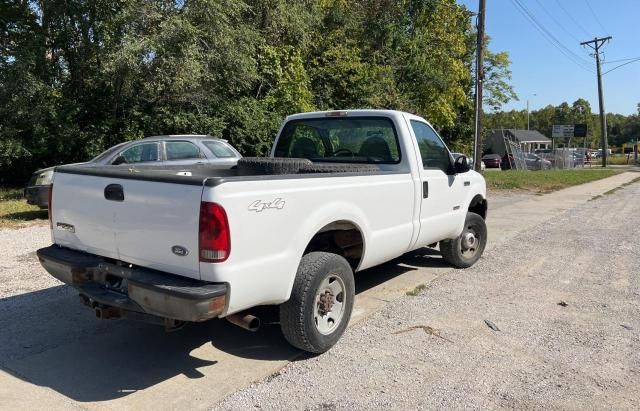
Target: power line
[[551, 38], [595, 16], [572, 19], [621, 65], [557, 22], [620, 60]]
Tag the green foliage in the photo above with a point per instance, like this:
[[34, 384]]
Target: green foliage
[[497, 90], [77, 77]]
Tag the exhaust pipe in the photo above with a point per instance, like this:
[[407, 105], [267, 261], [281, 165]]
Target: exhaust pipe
[[107, 313], [247, 321]]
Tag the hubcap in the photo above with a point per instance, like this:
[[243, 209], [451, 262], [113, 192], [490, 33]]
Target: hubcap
[[329, 304], [469, 241]]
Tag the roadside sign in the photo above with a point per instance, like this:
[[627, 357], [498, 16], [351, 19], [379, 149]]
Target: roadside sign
[[562, 130], [580, 130], [569, 130]]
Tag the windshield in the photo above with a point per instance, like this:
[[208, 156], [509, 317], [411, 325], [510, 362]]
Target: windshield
[[219, 149], [333, 139], [107, 153]]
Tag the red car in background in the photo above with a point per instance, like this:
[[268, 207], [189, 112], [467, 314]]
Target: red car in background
[[491, 160]]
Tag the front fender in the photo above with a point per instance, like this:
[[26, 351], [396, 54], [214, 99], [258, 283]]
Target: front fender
[[476, 195]]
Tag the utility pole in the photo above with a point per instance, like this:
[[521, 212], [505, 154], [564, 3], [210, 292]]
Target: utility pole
[[528, 112], [596, 44], [477, 143]]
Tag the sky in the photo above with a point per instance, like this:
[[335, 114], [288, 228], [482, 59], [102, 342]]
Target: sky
[[543, 74]]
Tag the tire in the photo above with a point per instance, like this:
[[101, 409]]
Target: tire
[[251, 166], [318, 273], [461, 253], [338, 168]]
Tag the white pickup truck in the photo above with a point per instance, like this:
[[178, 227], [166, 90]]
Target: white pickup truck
[[341, 192]]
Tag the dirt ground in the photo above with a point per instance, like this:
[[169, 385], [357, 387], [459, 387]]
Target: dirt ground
[[564, 299], [563, 293]]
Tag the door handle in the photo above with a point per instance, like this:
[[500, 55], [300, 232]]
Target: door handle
[[114, 192], [425, 189]]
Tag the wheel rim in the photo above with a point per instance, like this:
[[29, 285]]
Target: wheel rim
[[329, 305], [470, 241]]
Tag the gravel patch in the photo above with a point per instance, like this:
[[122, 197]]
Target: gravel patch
[[564, 295], [503, 198], [20, 271]]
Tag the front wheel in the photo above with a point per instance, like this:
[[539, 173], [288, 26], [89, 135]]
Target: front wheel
[[464, 251], [318, 312]]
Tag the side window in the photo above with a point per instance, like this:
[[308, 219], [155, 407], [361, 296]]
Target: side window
[[181, 150], [141, 153], [432, 150], [219, 149]]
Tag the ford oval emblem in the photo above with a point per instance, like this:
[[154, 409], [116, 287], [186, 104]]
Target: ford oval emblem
[[179, 250]]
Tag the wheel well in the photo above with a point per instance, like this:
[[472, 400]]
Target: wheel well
[[342, 238], [479, 206]]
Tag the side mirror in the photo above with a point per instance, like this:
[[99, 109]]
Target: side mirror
[[119, 160], [461, 165]]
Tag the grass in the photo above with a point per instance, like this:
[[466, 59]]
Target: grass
[[10, 194], [543, 181], [417, 290], [15, 212], [615, 160]]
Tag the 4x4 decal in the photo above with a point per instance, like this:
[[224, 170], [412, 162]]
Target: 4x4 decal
[[260, 205]]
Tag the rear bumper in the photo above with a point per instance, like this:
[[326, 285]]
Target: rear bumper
[[118, 289], [37, 195]]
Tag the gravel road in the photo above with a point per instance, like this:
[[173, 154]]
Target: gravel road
[[565, 297]]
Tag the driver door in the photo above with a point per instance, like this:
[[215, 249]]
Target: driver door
[[441, 203]]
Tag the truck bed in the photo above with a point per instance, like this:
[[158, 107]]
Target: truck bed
[[215, 175], [160, 207]]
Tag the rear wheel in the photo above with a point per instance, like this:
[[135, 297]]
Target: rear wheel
[[464, 251], [318, 312]]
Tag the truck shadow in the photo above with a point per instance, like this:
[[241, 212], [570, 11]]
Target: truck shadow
[[51, 340], [414, 260]]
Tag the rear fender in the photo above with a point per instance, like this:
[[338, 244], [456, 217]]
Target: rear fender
[[320, 218]]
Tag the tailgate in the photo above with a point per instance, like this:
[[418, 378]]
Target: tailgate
[[148, 227]]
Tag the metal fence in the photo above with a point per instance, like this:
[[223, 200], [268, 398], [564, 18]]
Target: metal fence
[[561, 158], [515, 156], [572, 154]]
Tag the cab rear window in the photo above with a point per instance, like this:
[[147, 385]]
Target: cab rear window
[[333, 139]]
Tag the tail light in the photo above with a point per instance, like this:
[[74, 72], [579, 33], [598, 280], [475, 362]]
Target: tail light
[[215, 240], [49, 207]]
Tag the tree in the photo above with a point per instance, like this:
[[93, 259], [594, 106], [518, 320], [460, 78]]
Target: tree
[[79, 76], [497, 89]]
